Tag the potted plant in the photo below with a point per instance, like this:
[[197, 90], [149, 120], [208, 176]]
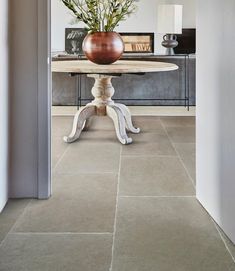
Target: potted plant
[[102, 45]]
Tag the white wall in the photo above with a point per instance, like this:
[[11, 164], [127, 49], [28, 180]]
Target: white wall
[[216, 111], [145, 20], [3, 103]]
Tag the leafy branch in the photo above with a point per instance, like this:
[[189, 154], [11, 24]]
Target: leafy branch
[[101, 15]]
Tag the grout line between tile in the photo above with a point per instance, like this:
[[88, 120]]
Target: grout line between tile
[[135, 114], [13, 226], [221, 236], [158, 196], [178, 155], [84, 173], [149, 155], [59, 160], [17, 221], [116, 210], [55, 174], [61, 233]]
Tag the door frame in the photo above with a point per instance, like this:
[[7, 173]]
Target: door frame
[[44, 100]]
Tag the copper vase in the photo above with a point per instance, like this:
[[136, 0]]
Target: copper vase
[[103, 47]]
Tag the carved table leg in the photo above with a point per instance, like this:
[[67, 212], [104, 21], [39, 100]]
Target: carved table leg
[[117, 116], [87, 124], [127, 115], [78, 123]]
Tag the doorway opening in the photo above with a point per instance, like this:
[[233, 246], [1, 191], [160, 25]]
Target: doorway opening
[[111, 189]]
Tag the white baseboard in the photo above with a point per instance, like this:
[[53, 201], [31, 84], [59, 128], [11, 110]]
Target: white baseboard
[[135, 110]]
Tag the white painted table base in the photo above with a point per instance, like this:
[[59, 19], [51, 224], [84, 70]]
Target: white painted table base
[[103, 105]]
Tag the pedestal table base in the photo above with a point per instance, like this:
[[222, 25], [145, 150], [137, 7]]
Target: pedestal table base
[[103, 105]]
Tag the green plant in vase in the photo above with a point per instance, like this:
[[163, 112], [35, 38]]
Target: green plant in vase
[[102, 45]]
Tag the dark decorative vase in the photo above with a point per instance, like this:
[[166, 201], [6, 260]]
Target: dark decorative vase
[[103, 47], [170, 42]]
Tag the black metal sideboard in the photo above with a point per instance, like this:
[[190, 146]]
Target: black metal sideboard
[[171, 88]]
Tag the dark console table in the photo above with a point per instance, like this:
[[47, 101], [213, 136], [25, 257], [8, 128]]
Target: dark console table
[[172, 88]]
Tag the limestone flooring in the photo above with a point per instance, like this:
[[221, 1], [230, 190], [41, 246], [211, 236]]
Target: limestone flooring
[[117, 208]]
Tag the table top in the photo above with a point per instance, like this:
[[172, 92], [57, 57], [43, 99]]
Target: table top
[[57, 56], [121, 66]]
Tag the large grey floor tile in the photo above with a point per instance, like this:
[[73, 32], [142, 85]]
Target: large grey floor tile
[[80, 203], [166, 234], [181, 134], [178, 121], [56, 253], [231, 246], [228, 242], [101, 123], [90, 158], [96, 136], [58, 148], [100, 129], [148, 124], [154, 176], [149, 144], [187, 152], [61, 125], [10, 214]]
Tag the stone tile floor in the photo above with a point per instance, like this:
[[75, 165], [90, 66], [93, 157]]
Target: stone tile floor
[[117, 208]]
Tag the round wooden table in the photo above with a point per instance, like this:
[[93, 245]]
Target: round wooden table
[[103, 91]]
